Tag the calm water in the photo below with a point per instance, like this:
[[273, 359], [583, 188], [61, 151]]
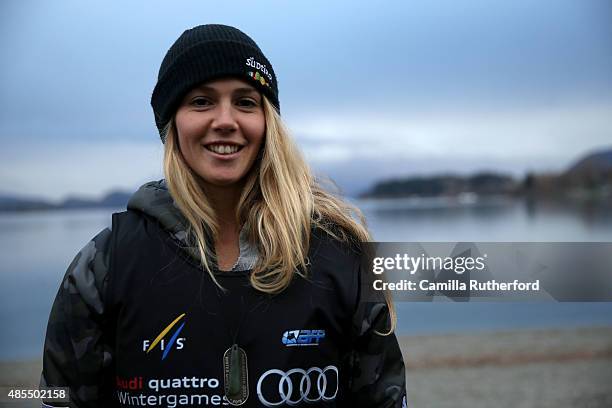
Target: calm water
[[36, 248]]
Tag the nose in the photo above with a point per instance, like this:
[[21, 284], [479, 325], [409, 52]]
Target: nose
[[224, 120]]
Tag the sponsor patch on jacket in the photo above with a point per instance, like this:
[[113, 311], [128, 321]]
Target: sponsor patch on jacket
[[303, 337], [175, 340]]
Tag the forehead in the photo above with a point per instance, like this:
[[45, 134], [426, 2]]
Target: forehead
[[225, 85]]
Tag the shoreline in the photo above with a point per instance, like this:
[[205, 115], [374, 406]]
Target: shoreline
[[506, 347]]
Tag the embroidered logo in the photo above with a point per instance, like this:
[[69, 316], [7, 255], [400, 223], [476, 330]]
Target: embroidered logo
[[256, 76], [303, 337], [261, 72], [174, 339]]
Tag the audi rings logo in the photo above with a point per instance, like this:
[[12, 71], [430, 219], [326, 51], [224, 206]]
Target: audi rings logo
[[297, 385]]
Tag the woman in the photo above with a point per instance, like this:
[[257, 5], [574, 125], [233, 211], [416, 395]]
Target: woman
[[234, 281]]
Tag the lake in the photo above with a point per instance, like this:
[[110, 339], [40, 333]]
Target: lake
[[37, 247]]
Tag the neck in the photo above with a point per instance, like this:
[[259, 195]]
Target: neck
[[224, 200]]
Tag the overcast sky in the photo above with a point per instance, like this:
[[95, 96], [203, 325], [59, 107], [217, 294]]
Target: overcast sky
[[369, 89]]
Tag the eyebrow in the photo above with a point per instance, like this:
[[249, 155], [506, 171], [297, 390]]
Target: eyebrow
[[244, 90]]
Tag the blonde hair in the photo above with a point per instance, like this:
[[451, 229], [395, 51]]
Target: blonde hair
[[280, 202]]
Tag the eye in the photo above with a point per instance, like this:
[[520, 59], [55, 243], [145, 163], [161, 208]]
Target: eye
[[247, 103], [200, 102]]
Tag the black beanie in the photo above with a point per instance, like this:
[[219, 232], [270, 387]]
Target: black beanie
[[204, 53]]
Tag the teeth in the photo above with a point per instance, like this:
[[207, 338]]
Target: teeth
[[223, 149]]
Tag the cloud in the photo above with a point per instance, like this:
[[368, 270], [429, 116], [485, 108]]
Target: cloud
[[554, 133], [86, 169]]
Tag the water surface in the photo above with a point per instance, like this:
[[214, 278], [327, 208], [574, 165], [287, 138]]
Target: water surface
[[37, 247]]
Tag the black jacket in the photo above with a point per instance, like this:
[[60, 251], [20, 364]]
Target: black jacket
[[137, 322]]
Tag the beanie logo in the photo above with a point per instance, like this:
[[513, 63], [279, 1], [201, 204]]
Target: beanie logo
[[259, 78], [250, 62]]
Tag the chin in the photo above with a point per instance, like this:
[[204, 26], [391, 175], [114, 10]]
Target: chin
[[221, 181], [224, 183]]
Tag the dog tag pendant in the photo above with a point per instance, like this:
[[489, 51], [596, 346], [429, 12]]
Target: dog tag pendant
[[235, 375]]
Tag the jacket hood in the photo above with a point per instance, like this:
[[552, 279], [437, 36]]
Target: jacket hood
[[154, 199]]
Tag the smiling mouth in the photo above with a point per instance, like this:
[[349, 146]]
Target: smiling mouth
[[223, 149]]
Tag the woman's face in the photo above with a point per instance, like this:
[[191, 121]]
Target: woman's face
[[221, 126]]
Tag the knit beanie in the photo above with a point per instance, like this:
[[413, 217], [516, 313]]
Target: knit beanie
[[204, 53]]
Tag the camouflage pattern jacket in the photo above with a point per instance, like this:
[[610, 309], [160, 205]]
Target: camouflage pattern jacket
[[137, 322]]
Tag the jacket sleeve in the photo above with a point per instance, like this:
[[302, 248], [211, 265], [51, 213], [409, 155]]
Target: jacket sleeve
[[377, 372], [77, 353]]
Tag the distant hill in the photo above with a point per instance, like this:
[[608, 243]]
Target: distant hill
[[598, 162], [114, 199], [485, 183], [590, 177], [14, 203], [591, 171]]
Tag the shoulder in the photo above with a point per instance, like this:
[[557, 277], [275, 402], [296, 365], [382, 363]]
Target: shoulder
[[335, 239], [330, 252], [335, 265], [87, 275], [133, 233], [132, 225], [127, 218]]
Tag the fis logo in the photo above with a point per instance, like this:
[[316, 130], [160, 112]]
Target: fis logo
[[163, 345], [303, 337]]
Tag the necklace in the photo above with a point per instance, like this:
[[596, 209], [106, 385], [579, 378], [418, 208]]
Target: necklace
[[235, 375], [235, 367]]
